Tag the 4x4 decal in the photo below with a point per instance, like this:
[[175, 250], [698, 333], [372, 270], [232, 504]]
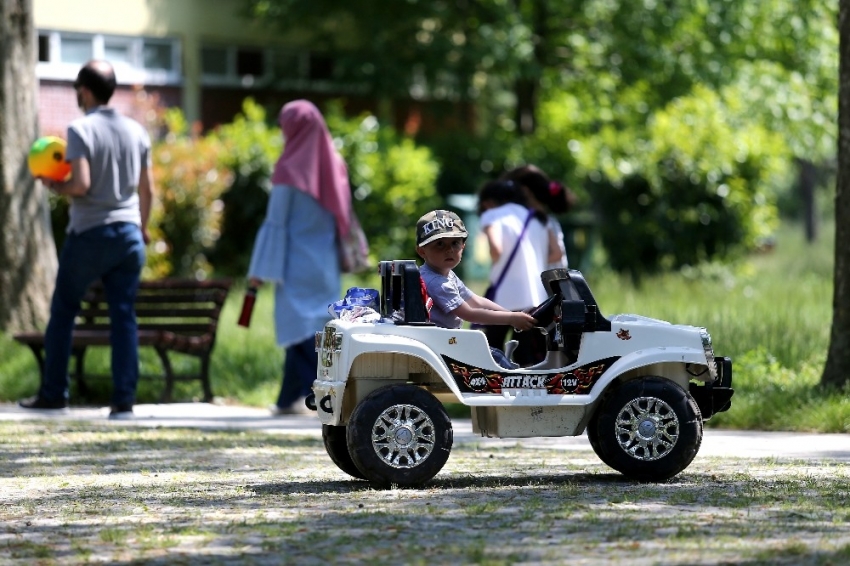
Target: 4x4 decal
[[577, 381]]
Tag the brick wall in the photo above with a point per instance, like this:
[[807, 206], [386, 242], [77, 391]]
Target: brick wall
[[57, 104]]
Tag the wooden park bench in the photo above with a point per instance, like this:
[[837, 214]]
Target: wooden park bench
[[174, 315]]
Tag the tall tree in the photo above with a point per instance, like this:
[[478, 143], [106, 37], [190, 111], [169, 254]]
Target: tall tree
[[417, 48], [837, 369], [27, 251]]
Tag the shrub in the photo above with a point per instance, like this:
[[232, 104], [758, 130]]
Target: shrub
[[699, 186], [189, 179], [250, 148], [393, 181]]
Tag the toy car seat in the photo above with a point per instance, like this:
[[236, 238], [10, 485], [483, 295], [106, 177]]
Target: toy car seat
[[403, 298]]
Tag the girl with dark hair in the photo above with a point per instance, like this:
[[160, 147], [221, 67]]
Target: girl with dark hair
[[518, 240], [549, 198]]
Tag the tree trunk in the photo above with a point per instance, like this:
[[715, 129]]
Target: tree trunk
[[837, 369], [526, 106], [27, 251], [808, 175], [526, 87]]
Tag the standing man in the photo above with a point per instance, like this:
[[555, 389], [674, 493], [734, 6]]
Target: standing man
[[110, 193]]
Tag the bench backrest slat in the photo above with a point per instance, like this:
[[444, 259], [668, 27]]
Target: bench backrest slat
[[180, 306], [176, 312]]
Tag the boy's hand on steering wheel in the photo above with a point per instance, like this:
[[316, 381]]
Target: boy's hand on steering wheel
[[523, 321]]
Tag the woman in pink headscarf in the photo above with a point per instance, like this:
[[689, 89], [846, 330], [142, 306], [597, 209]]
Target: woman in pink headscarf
[[296, 247]]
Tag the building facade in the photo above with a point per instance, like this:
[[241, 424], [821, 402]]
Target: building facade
[[200, 55]]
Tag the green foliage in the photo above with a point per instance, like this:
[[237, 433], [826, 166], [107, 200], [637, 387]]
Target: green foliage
[[699, 187], [250, 148], [189, 180], [466, 161], [392, 178], [605, 72], [58, 218], [393, 47], [768, 313]]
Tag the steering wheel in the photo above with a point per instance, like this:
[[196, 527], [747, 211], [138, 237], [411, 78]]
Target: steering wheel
[[545, 311]]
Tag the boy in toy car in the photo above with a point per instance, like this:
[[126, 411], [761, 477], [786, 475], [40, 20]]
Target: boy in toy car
[[440, 241]]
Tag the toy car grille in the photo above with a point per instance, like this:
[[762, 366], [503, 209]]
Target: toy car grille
[[328, 343]]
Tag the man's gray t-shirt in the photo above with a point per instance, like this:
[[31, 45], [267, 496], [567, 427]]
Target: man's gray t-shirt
[[117, 148], [447, 294]]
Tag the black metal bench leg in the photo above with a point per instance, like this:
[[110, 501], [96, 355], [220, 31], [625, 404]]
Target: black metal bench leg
[[79, 372], [38, 352], [169, 374], [205, 378]]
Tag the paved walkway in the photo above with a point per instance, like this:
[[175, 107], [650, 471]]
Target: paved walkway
[[739, 444]]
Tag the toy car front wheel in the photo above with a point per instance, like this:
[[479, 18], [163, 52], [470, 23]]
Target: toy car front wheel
[[337, 448], [648, 429], [399, 435]]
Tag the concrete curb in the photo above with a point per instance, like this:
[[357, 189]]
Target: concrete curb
[[716, 443]]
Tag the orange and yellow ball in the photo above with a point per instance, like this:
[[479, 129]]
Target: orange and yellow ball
[[47, 159]]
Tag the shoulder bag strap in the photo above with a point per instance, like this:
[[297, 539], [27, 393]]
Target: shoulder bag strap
[[513, 252]]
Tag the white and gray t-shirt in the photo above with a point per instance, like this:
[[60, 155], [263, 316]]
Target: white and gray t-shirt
[[447, 294], [117, 148]]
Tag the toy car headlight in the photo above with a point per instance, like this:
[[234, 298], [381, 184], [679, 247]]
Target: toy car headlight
[[709, 353], [328, 343]]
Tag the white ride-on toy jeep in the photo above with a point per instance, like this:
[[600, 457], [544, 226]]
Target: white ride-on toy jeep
[[641, 388]]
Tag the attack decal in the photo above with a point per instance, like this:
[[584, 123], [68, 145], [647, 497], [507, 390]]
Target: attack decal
[[577, 381]]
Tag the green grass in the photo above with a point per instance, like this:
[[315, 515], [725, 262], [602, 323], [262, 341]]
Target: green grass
[[771, 313]]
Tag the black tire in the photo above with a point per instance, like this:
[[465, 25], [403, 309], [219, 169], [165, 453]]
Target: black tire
[[648, 429], [337, 448], [399, 435], [593, 437]]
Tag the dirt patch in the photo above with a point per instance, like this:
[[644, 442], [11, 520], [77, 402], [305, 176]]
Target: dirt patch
[[74, 493]]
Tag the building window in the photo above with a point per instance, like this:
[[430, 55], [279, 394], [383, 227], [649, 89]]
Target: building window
[[158, 55], [43, 49], [236, 66], [287, 65], [234, 62], [250, 62], [117, 51], [321, 67], [75, 50], [272, 67], [137, 60], [214, 61]]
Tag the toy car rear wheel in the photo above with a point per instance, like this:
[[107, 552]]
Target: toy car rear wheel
[[337, 448], [648, 429], [399, 435]]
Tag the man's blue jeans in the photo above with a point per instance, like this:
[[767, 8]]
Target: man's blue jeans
[[114, 253]]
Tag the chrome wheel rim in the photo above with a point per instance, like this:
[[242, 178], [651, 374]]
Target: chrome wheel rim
[[403, 436], [647, 428]]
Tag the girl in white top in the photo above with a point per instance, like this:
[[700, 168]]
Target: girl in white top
[[550, 198], [521, 287], [503, 220]]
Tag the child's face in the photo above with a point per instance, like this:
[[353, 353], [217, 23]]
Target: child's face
[[443, 254]]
